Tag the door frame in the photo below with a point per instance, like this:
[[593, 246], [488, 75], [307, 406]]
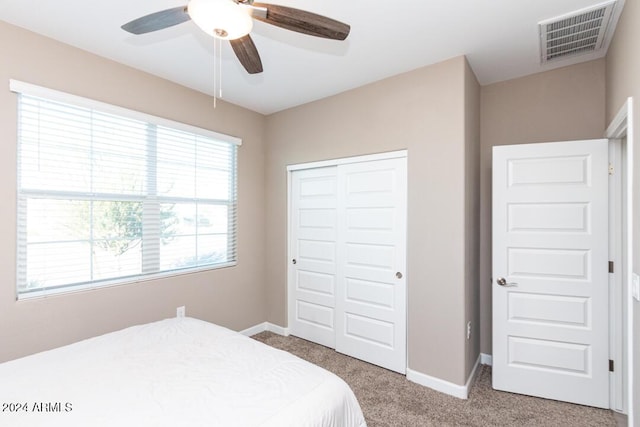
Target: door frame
[[320, 164], [621, 128]]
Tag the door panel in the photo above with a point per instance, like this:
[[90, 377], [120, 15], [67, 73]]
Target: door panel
[[550, 244], [369, 330], [313, 239], [371, 299], [372, 293], [549, 355], [550, 309], [313, 314], [549, 217]]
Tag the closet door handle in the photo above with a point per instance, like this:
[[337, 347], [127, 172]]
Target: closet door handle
[[294, 261], [399, 275]]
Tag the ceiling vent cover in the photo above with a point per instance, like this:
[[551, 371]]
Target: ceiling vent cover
[[585, 31]]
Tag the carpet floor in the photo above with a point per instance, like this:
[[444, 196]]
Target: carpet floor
[[389, 399]]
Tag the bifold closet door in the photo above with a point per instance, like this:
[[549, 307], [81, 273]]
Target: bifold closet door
[[347, 279], [371, 289]]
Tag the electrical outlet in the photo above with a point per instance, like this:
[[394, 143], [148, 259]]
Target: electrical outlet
[[468, 329], [180, 311], [635, 286]]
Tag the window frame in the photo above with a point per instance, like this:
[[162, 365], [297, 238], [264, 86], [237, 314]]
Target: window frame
[[56, 96]]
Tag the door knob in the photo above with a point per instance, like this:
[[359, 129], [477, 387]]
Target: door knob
[[294, 261], [503, 282], [399, 275]]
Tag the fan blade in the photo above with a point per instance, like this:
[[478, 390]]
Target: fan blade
[[157, 21], [304, 22], [247, 54]]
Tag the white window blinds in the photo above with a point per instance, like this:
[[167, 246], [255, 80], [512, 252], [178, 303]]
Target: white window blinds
[[107, 195]]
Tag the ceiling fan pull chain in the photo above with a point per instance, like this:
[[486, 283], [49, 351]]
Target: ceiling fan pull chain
[[220, 69], [215, 46]]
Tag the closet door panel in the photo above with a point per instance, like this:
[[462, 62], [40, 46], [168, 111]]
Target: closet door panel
[[313, 252], [371, 262]]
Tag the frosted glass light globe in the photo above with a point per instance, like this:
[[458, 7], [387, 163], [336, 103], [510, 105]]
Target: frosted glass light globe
[[223, 19]]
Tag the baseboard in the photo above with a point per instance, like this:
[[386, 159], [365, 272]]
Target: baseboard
[[459, 391], [265, 326], [486, 359], [437, 384], [472, 376], [254, 329], [277, 329]]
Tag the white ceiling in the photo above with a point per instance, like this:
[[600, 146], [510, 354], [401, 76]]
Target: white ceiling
[[388, 37]]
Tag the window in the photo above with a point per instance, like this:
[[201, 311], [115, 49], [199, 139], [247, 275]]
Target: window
[[107, 195]]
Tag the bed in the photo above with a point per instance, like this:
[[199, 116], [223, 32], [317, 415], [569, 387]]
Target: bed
[[175, 372]]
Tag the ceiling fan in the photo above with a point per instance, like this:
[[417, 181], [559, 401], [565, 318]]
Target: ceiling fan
[[232, 20]]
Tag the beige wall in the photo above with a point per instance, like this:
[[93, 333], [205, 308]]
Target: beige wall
[[559, 105], [472, 215], [623, 81], [232, 297], [422, 111]]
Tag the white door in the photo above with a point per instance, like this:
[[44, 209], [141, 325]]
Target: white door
[[313, 225], [550, 271], [371, 296], [347, 284]]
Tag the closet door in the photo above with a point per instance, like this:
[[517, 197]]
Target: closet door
[[312, 276], [371, 287]]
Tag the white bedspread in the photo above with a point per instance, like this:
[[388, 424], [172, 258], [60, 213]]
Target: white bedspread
[[175, 372]]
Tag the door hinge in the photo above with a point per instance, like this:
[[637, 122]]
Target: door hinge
[[610, 266], [611, 169], [610, 365]]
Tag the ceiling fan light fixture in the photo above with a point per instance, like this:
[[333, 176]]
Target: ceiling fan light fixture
[[233, 20], [222, 19]]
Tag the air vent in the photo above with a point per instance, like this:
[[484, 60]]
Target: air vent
[[585, 31]]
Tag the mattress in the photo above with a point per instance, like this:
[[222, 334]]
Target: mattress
[[175, 372]]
